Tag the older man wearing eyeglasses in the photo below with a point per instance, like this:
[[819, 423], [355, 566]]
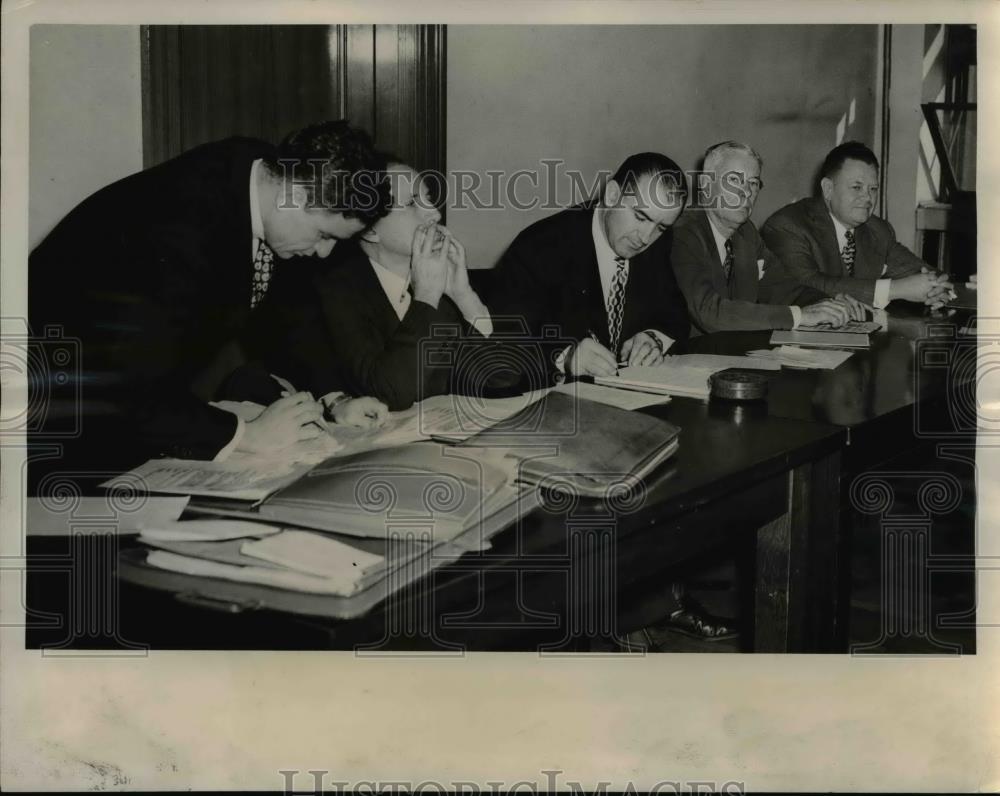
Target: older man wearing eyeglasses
[[729, 278]]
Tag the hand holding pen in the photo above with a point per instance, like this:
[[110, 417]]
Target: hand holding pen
[[590, 358], [294, 417]]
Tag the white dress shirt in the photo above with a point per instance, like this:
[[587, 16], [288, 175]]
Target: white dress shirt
[[256, 219], [396, 290], [607, 265], [257, 235]]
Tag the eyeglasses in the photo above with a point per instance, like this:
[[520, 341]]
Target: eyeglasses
[[736, 179]]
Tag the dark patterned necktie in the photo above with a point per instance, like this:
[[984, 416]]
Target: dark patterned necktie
[[847, 255], [616, 303], [727, 264], [263, 263]]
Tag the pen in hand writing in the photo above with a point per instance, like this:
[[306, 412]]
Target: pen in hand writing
[[322, 423], [592, 336]]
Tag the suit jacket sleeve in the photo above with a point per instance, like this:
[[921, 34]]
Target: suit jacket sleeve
[[520, 306], [398, 369], [711, 311], [671, 309], [792, 245], [168, 415], [518, 298], [900, 260], [138, 345], [777, 286]]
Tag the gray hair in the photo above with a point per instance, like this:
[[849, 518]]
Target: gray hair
[[715, 154]]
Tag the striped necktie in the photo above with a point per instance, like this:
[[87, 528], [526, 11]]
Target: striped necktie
[[263, 264], [616, 303], [847, 255], [727, 264]]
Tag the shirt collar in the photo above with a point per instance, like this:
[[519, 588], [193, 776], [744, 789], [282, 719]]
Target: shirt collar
[[601, 245], [841, 231], [605, 254], [256, 219], [393, 285]]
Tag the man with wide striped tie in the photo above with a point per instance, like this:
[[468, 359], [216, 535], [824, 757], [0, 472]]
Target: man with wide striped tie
[[834, 244], [599, 274]]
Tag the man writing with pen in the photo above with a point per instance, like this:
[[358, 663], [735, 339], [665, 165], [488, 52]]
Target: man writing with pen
[[156, 276], [599, 273]]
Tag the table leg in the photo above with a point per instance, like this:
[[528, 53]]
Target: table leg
[[801, 592]]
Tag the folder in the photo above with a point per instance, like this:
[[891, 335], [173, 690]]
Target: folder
[[818, 339], [575, 445]]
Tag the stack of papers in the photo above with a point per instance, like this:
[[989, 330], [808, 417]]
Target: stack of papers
[[856, 327], [313, 554], [450, 418], [308, 561], [794, 357], [205, 531], [623, 399], [278, 578], [234, 479], [825, 338], [686, 375]]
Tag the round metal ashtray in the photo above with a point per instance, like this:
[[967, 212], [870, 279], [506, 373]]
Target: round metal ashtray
[[737, 384]]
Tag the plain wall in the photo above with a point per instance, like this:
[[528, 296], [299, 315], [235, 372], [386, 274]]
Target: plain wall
[[899, 175], [85, 116], [593, 95]]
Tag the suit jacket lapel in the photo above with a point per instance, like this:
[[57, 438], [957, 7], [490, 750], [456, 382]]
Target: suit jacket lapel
[[239, 254], [369, 289], [746, 276], [587, 295], [865, 264], [826, 235], [703, 226]]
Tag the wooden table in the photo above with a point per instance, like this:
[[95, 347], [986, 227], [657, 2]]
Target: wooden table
[[568, 573], [903, 388], [909, 410], [767, 479]]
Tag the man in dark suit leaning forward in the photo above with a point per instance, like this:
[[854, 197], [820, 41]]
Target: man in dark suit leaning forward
[[156, 273], [600, 273], [834, 244], [730, 279], [390, 314]]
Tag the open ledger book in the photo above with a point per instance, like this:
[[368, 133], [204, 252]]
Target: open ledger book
[[686, 375], [423, 487], [246, 477], [388, 515], [355, 528], [561, 442]]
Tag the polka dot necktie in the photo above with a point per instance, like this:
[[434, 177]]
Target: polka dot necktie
[[616, 303], [847, 255], [727, 264], [263, 262]]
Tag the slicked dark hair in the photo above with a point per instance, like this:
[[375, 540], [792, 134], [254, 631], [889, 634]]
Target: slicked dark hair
[[651, 163], [849, 150], [338, 166]]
